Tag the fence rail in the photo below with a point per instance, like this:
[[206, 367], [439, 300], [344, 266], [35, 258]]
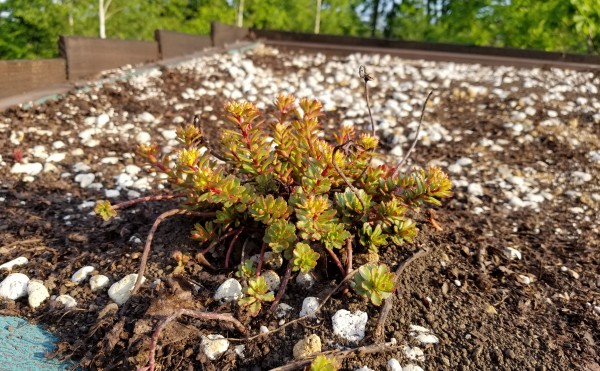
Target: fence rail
[[84, 57]]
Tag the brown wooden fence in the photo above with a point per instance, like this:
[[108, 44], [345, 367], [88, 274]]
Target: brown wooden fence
[[88, 56], [173, 44], [21, 76]]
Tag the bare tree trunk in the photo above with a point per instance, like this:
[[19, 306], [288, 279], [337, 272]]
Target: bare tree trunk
[[240, 14], [102, 19], [318, 18], [374, 17]]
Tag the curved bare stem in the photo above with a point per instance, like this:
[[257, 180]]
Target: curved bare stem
[[122, 205], [161, 217], [414, 143]]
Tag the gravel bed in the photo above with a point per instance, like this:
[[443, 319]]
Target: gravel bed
[[511, 282]]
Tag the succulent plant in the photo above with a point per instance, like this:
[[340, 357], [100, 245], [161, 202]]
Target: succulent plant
[[322, 363], [374, 282], [256, 293]]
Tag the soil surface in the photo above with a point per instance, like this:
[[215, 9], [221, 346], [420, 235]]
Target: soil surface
[[488, 310]]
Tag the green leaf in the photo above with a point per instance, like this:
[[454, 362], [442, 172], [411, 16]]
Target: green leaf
[[105, 210], [374, 282], [305, 258]]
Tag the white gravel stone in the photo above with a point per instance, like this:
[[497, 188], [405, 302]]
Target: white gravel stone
[[411, 367], [309, 305], [512, 253], [270, 259], [82, 273], [423, 335], [214, 346], [14, 286], [464, 161], [132, 169], [283, 310], [305, 280], [120, 291], [414, 353], [455, 169], [272, 279], [143, 137], [85, 179], [110, 160], [475, 189], [59, 144], [32, 168], [146, 117], [21, 260], [581, 177], [169, 134], [348, 325], [102, 120], [229, 290], [56, 157], [112, 193], [394, 365], [37, 293], [364, 368], [81, 167], [99, 282], [67, 300]]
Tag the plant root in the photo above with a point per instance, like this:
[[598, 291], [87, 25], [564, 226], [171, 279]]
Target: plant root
[[207, 316], [378, 335], [340, 354]]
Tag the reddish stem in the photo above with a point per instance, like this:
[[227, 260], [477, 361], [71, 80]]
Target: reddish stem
[[191, 313], [337, 261], [125, 204], [260, 259], [215, 243], [230, 249], [282, 286], [161, 217]]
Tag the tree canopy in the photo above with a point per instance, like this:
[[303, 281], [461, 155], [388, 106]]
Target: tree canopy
[[30, 28]]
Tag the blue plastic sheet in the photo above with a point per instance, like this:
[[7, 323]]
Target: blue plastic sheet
[[23, 347]]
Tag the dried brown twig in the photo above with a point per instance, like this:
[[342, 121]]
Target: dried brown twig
[[378, 335], [367, 349], [414, 143], [161, 217]]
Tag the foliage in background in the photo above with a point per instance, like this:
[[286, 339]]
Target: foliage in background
[[30, 28]]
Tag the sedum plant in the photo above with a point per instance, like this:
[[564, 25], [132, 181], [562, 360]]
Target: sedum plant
[[374, 282], [322, 363], [257, 292], [278, 177]]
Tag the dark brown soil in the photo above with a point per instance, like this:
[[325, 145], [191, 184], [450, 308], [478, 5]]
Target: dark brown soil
[[491, 321]]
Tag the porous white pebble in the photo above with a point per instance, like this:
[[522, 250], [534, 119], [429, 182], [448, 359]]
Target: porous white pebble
[[214, 346], [272, 279], [512, 253], [305, 280], [350, 325]]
